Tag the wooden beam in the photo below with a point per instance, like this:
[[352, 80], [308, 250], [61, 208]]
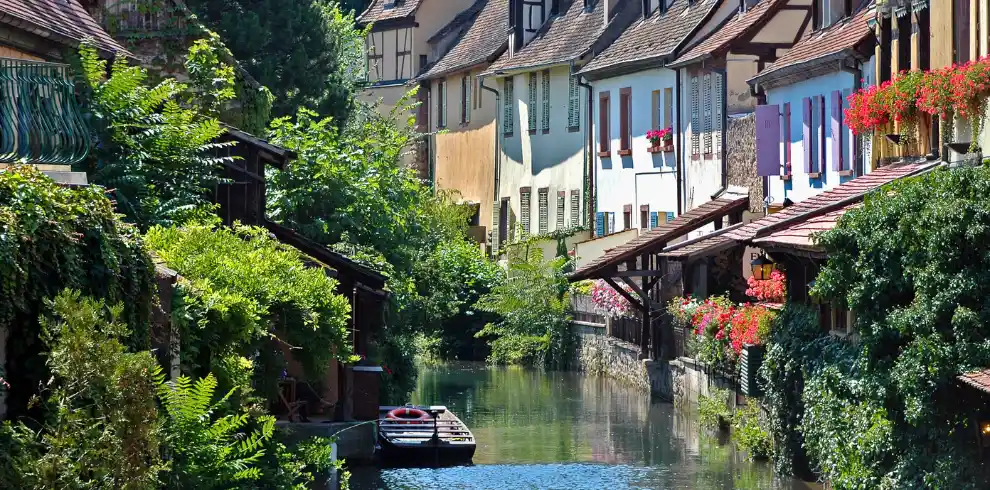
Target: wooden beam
[[622, 292], [636, 273]]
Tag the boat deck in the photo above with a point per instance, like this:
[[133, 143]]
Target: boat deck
[[446, 426]]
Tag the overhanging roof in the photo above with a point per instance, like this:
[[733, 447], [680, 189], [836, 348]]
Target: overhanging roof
[[656, 239], [344, 266]]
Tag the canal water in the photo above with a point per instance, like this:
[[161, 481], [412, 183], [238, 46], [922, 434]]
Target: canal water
[[568, 431]]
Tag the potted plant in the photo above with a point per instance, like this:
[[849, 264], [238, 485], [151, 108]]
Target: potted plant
[[660, 140]]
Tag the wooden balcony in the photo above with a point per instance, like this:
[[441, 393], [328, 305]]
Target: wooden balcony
[[916, 144]]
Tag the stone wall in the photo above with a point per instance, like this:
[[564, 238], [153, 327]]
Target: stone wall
[[740, 152], [690, 380], [602, 355]]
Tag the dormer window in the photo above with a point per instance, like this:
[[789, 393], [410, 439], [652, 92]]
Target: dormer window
[[589, 5], [828, 12], [391, 4]]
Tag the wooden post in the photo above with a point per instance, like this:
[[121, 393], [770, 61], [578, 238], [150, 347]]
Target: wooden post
[[974, 28], [645, 264]]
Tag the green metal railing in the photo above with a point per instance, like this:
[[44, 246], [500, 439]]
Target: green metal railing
[[40, 119]]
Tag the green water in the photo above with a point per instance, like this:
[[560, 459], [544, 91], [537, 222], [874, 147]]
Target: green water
[[568, 431]]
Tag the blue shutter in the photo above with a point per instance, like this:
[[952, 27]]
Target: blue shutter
[[670, 216], [654, 219], [599, 224]]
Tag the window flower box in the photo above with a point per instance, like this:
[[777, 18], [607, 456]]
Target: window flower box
[[663, 148]]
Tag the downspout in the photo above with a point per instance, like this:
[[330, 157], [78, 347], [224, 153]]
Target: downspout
[[498, 152], [725, 130], [679, 156], [590, 166]]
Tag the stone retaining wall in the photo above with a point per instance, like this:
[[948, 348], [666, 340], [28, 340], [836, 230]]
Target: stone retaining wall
[[600, 354], [690, 380]]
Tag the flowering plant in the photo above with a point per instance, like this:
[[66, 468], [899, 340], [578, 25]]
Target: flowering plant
[[773, 289], [722, 327], [607, 301], [658, 136], [866, 113]]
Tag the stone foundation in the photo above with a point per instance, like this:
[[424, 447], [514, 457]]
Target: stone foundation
[[600, 354], [691, 380]]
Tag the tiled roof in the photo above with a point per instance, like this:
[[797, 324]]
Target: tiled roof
[[739, 24], [460, 21], [833, 40], [479, 43], [62, 21], [376, 11], [659, 236], [977, 379], [801, 234], [857, 187], [686, 249], [561, 39], [659, 35]]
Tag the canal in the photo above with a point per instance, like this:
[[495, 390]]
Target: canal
[[565, 430]]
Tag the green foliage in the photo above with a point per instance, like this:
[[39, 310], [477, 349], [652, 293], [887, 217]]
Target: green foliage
[[157, 155], [306, 51], [56, 238], [713, 409], [749, 433], [102, 431], [885, 413], [532, 303], [245, 290]]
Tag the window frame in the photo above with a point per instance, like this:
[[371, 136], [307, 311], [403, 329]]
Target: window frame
[[625, 121], [442, 103], [604, 134]]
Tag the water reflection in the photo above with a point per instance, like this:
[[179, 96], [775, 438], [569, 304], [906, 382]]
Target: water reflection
[[564, 430]]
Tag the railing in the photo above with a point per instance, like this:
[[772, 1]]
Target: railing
[[627, 329], [152, 18], [40, 120]]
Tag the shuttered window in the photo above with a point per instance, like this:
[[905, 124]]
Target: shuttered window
[[644, 216], [573, 103], [706, 123], [544, 205], [654, 219], [806, 140], [668, 108], [545, 126], [442, 104], [603, 131], [465, 99], [625, 120], [599, 224], [787, 138], [695, 118], [531, 109], [717, 110], [561, 208], [508, 117], [495, 225], [575, 207], [525, 208], [835, 105], [822, 135]]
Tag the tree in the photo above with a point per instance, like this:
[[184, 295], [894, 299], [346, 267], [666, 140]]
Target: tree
[[306, 51]]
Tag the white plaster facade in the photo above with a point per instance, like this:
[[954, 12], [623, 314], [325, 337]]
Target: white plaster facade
[[553, 159], [642, 179], [801, 186]]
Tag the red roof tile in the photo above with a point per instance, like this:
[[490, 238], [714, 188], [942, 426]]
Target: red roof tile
[[685, 250], [477, 43], [977, 379], [739, 24], [838, 38], [659, 236], [62, 21], [856, 188], [377, 11], [801, 234]]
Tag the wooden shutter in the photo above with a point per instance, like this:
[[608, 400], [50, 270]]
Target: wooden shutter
[[573, 103], [599, 224], [625, 117], [611, 223], [822, 136], [525, 210], [706, 122], [561, 198], [695, 118], [546, 101], [532, 111], [644, 216], [717, 111], [508, 105], [767, 140], [849, 141], [668, 107], [806, 138], [655, 109], [837, 157], [543, 198], [670, 217], [654, 219], [575, 207], [787, 139], [495, 222], [603, 132]]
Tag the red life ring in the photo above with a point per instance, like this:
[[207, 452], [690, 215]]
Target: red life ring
[[409, 415]]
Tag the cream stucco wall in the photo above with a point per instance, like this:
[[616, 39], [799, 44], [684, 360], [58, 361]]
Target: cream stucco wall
[[535, 159], [464, 154]]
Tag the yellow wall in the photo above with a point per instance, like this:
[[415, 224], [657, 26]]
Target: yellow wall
[[7, 52]]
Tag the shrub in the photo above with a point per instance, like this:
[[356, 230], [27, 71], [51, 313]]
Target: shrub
[[713, 409], [749, 433]]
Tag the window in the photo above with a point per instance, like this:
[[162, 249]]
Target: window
[[610, 224], [822, 137], [668, 107], [561, 204], [531, 108], [807, 141], [603, 132], [627, 217], [496, 228], [422, 61], [544, 217], [706, 122], [625, 121], [545, 126], [717, 123], [695, 119], [573, 103], [644, 216], [525, 208], [960, 30], [465, 99], [508, 118], [575, 207], [837, 321], [477, 93], [441, 103], [656, 109]]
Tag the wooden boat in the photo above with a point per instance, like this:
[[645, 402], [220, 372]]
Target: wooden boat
[[439, 440]]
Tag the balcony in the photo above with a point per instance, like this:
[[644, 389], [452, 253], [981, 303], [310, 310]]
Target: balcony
[[40, 119]]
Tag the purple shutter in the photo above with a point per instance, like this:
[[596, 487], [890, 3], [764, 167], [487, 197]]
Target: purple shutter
[[767, 140], [852, 161], [837, 131], [822, 136], [806, 105]]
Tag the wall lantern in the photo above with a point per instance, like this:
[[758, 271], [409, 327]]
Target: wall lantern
[[985, 433], [763, 267]]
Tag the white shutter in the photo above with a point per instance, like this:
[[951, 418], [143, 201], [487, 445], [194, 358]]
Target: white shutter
[[719, 81], [560, 210], [532, 102], [706, 123], [544, 203], [695, 118], [546, 101], [573, 103], [467, 99], [507, 105]]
